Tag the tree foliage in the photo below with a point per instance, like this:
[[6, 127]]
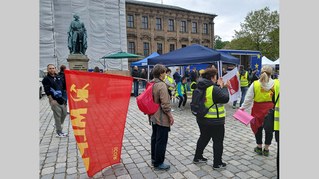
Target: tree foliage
[[259, 31], [218, 43]]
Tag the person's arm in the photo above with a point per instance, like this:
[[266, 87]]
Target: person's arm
[[165, 103], [249, 98], [220, 95], [47, 84]]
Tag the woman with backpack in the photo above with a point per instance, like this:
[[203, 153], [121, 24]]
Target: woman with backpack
[[211, 126]]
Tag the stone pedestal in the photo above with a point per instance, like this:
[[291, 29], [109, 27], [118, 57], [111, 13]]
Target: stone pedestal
[[78, 62]]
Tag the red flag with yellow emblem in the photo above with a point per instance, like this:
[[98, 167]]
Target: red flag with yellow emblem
[[98, 105]]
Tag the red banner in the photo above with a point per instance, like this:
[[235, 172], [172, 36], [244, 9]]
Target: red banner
[[98, 106]]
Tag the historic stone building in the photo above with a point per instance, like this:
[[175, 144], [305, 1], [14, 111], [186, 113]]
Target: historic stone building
[[163, 28]]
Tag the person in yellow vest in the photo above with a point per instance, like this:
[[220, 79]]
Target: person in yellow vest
[[171, 85], [244, 83], [181, 93], [169, 82], [276, 121], [211, 126], [259, 96]]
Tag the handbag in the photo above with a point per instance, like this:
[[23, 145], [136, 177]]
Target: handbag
[[269, 118]]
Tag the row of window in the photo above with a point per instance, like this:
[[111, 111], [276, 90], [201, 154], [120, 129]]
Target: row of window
[[146, 48], [171, 28]]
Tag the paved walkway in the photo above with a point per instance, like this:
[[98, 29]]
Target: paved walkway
[[60, 159]]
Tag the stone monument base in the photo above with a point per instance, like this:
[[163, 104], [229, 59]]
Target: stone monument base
[[78, 62]]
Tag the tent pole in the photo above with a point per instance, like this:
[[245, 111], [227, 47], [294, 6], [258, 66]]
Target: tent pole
[[148, 73]]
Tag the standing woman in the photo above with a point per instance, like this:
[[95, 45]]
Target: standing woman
[[259, 96], [162, 120], [212, 125]]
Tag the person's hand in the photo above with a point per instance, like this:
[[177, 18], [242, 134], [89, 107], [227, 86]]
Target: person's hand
[[171, 120], [53, 102], [220, 82], [227, 84]]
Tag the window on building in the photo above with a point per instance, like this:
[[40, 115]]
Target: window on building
[[183, 26], [144, 22], [158, 24], [183, 45], [130, 21], [171, 47], [131, 47], [146, 47], [194, 27], [170, 25], [160, 48], [205, 28]]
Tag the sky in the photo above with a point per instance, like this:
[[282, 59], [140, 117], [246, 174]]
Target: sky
[[230, 13]]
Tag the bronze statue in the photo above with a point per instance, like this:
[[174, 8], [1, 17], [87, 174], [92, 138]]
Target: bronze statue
[[77, 36]]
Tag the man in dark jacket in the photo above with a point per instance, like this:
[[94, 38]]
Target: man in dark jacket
[[212, 124], [53, 86], [135, 73]]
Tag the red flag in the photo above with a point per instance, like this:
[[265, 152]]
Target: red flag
[[98, 106]]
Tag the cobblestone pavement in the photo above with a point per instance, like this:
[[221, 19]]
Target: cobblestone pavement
[[60, 159]]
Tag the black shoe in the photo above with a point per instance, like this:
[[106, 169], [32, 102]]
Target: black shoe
[[199, 160], [222, 165], [258, 150], [266, 152], [162, 166]]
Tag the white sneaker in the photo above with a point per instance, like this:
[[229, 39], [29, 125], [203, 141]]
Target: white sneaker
[[62, 135]]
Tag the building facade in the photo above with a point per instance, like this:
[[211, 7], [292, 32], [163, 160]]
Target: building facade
[[162, 28]]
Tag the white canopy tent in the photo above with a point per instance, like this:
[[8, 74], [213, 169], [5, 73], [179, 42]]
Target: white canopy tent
[[266, 61]]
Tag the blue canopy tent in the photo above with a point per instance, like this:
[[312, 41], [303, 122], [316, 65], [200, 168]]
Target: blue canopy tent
[[194, 54], [143, 62]]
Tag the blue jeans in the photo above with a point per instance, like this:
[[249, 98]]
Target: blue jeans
[[243, 94], [135, 88]]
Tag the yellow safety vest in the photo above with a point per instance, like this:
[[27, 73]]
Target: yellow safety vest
[[212, 112], [276, 121], [244, 79], [194, 82], [260, 94], [171, 81]]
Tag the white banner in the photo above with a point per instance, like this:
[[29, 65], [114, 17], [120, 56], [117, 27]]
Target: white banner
[[234, 88]]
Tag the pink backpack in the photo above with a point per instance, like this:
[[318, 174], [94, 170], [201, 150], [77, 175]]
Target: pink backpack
[[145, 101]]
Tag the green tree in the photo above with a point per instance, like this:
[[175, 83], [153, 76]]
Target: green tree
[[218, 43], [259, 31]]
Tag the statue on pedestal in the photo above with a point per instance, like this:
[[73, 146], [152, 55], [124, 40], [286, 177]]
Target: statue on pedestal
[[77, 43]]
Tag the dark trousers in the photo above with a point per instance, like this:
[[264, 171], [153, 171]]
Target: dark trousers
[[158, 143], [135, 88], [259, 136], [277, 140], [243, 94], [214, 132], [182, 99]]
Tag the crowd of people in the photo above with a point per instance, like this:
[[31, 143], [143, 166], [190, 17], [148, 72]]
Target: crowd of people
[[259, 93]]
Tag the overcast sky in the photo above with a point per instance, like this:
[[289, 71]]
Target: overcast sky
[[230, 13]]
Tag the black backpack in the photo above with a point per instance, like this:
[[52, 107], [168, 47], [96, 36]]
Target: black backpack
[[198, 107]]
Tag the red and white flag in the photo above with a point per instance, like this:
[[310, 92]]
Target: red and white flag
[[234, 88], [98, 106]]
